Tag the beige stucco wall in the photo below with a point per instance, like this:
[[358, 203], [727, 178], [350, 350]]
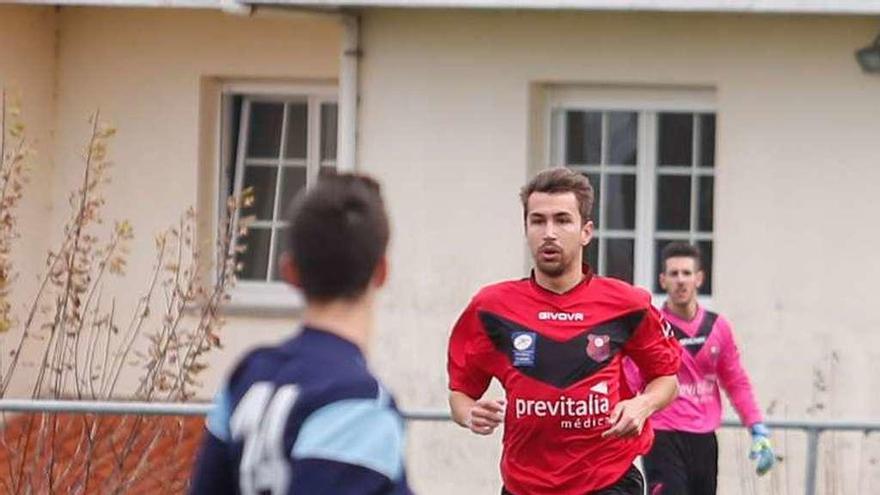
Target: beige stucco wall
[[445, 123], [27, 72], [154, 74], [447, 101]]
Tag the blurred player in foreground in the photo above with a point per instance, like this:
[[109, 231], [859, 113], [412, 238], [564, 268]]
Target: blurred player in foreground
[[307, 416]]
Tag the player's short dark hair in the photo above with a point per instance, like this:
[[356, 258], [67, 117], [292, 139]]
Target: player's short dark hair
[[338, 233], [559, 180], [680, 250]]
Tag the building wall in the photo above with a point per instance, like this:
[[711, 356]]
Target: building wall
[[155, 75], [451, 123], [448, 115], [27, 73]]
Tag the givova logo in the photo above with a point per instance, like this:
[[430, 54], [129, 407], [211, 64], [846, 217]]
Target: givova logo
[[693, 340], [554, 316]]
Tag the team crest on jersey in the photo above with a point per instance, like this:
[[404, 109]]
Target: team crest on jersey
[[599, 347]]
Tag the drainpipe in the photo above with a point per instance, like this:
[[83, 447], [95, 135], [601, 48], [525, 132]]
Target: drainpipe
[[349, 57], [346, 154]]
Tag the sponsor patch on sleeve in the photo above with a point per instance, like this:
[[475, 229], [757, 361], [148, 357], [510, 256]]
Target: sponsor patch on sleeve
[[524, 344]]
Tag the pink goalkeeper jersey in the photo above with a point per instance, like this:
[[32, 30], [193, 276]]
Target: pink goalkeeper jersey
[[709, 358]]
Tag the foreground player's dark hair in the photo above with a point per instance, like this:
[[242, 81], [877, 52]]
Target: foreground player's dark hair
[[559, 180], [338, 233], [680, 250]]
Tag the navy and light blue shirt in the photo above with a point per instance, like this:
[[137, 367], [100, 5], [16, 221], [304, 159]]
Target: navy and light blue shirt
[[305, 417]]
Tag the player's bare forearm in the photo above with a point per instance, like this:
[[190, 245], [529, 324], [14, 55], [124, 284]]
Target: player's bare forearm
[[660, 392], [460, 407], [480, 416], [628, 417]]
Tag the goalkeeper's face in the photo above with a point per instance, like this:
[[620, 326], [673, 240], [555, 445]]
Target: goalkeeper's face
[[680, 279]]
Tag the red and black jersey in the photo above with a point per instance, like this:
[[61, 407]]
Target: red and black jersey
[[559, 359]]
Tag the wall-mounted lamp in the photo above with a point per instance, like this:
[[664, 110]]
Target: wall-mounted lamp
[[869, 57]]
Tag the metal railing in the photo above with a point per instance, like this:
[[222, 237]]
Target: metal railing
[[812, 428]]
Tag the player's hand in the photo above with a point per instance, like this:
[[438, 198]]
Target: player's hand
[[485, 415], [762, 449], [628, 418]]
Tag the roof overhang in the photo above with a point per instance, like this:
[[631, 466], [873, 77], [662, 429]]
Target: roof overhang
[[837, 7], [192, 4], [852, 7]]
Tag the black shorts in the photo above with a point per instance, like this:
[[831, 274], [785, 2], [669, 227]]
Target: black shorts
[[632, 483], [682, 463]]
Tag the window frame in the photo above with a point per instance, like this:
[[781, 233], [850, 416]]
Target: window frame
[[266, 297], [648, 103]]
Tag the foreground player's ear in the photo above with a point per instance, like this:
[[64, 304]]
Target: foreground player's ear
[[380, 274], [699, 277], [288, 269]]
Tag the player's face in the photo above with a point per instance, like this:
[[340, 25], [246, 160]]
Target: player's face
[[556, 233], [681, 279]]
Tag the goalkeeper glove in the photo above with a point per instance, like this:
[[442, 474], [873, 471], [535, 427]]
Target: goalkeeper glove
[[762, 449]]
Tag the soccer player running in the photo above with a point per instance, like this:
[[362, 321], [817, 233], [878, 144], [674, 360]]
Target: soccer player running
[[684, 458], [555, 341], [307, 416]]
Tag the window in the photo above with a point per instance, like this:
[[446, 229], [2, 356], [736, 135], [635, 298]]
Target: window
[[685, 187], [275, 144], [652, 165]]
